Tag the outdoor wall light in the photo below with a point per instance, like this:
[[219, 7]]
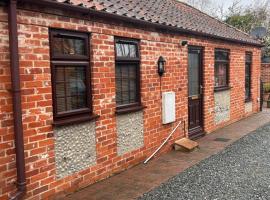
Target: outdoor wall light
[[161, 66], [184, 43]]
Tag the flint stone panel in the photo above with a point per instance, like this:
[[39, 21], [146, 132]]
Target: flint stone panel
[[222, 106], [248, 107], [75, 148], [129, 132]]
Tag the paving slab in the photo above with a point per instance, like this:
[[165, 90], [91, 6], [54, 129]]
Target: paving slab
[[141, 179]]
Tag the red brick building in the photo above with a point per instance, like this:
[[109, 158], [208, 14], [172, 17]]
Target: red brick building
[[81, 87]]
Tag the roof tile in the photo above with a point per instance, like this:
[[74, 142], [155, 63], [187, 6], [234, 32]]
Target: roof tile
[[167, 12]]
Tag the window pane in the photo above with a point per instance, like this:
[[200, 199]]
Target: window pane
[[132, 90], [221, 67], [124, 71], [247, 89], [71, 87], [60, 90], [248, 57], [193, 74], [248, 81], [126, 84], [79, 46], [132, 84], [57, 46], [132, 72], [75, 78], [81, 101], [61, 104], [118, 91], [222, 55], [72, 103], [125, 97], [133, 51], [126, 50], [220, 74], [62, 45], [60, 74]]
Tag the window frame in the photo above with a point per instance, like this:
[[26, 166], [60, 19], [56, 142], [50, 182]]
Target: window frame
[[126, 108], [76, 115], [248, 53], [71, 34], [227, 62]]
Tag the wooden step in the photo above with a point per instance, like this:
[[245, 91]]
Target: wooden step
[[185, 144]]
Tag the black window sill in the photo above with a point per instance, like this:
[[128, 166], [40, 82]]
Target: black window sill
[[74, 120], [219, 89], [121, 111], [248, 100]]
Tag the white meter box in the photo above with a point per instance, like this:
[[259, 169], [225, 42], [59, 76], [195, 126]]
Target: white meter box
[[168, 107]]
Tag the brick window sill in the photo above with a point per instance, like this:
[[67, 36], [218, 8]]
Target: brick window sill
[[121, 111], [74, 120]]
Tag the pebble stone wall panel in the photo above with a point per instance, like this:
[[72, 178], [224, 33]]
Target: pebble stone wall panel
[[75, 148], [222, 106], [129, 132], [248, 107]]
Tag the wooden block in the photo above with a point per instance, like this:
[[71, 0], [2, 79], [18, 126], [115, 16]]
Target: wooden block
[[185, 144]]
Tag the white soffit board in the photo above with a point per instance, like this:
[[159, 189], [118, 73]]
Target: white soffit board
[[168, 107]]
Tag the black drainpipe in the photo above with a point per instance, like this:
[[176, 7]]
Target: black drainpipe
[[16, 100]]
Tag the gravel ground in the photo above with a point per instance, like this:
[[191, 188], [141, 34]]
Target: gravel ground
[[240, 172]]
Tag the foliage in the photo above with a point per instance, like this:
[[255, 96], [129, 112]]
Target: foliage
[[243, 22], [250, 18], [266, 49], [245, 17], [266, 87]]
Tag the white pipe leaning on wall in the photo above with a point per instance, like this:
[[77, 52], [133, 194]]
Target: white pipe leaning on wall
[[165, 141]]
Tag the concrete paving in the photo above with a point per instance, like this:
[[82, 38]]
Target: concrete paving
[[141, 179]]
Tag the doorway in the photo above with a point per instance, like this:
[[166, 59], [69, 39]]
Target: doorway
[[195, 92]]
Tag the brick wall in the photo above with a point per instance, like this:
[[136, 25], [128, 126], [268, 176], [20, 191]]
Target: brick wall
[[265, 72], [39, 139]]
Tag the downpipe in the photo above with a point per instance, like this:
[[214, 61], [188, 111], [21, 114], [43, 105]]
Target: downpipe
[[16, 100]]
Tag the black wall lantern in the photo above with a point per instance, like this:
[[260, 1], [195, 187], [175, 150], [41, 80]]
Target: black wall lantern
[[184, 43], [161, 66]]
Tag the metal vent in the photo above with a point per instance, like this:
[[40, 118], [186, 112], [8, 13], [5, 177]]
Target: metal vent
[[222, 140]]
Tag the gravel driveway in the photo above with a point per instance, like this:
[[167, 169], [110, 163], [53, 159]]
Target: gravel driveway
[[240, 172]]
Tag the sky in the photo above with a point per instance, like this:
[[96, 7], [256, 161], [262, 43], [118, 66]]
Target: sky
[[227, 3], [218, 5]]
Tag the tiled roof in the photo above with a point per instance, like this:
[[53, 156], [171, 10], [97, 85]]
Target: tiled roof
[[167, 12]]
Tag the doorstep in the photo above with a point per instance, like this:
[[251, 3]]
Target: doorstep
[[142, 178]]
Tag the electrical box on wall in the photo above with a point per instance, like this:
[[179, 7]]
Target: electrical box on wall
[[168, 107]]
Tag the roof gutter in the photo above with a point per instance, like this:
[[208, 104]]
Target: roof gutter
[[103, 14], [16, 100]]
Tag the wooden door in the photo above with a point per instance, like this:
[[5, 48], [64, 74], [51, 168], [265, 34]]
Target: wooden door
[[195, 92]]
